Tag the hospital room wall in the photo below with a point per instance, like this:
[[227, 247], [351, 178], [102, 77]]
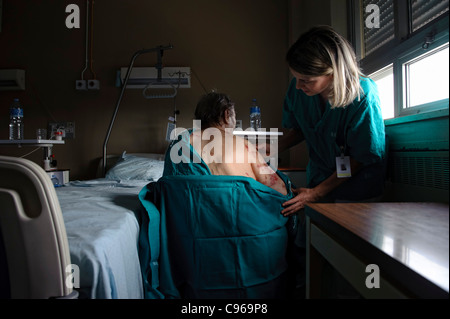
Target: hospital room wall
[[233, 46]]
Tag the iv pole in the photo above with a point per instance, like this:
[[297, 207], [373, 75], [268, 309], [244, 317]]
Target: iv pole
[[160, 50]]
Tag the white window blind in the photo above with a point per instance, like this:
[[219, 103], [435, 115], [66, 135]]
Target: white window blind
[[425, 11], [375, 38], [421, 12]]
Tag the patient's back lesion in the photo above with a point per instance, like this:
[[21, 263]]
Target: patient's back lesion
[[235, 156]]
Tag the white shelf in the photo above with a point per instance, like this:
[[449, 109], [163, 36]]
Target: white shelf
[[35, 142], [46, 145]]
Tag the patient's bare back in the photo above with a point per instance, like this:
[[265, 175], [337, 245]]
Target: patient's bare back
[[227, 154]]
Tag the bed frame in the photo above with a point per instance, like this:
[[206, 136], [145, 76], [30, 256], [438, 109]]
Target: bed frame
[[160, 51]]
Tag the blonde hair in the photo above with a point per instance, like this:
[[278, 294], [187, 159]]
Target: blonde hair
[[322, 51]]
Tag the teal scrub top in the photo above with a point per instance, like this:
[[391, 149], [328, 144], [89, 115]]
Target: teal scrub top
[[358, 129]]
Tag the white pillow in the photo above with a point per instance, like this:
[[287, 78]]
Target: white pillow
[[131, 167]]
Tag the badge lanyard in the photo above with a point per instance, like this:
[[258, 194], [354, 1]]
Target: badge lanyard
[[343, 167]]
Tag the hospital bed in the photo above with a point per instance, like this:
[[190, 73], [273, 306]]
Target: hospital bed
[[102, 222], [34, 253], [213, 237], [101, 219]]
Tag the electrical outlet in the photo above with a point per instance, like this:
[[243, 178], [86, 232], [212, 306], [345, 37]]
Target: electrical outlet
[[81, 85], [67, 128], [70, 130], [93, 85]]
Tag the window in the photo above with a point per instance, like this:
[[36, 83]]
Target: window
[[427, 78], [404, 48], [384, 79]]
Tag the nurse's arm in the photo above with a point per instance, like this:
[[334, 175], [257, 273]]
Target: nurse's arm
[[333, 181], [290, 139], [311, 195]]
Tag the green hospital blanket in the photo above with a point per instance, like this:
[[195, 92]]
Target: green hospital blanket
[[206, 236]]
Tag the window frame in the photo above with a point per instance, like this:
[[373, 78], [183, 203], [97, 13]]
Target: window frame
[[405, 46], [402, 104], [389, 69]]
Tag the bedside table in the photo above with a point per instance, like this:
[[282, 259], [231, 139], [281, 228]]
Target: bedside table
[[45, 144]]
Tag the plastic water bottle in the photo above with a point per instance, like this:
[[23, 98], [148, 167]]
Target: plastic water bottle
[[16, 121], [255, 116]]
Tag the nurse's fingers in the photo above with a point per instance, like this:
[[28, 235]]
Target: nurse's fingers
[[293, 199], [293, 208], [290, 202]]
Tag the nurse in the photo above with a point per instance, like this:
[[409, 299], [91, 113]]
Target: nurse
[[336, 109]]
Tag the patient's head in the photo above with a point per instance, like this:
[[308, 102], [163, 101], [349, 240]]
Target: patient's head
[[215, 110]]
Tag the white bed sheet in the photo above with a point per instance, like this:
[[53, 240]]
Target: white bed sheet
[[102, 228]]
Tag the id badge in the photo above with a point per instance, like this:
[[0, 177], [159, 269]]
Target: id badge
[[343, 168]]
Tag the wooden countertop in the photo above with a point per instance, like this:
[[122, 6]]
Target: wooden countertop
[[415, 235]]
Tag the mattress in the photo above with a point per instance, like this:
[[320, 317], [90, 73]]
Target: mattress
[[102, 219]]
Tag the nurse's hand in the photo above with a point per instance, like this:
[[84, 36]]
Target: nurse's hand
[[304, 195]]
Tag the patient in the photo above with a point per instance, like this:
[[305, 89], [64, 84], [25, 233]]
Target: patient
[[224, 153]]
